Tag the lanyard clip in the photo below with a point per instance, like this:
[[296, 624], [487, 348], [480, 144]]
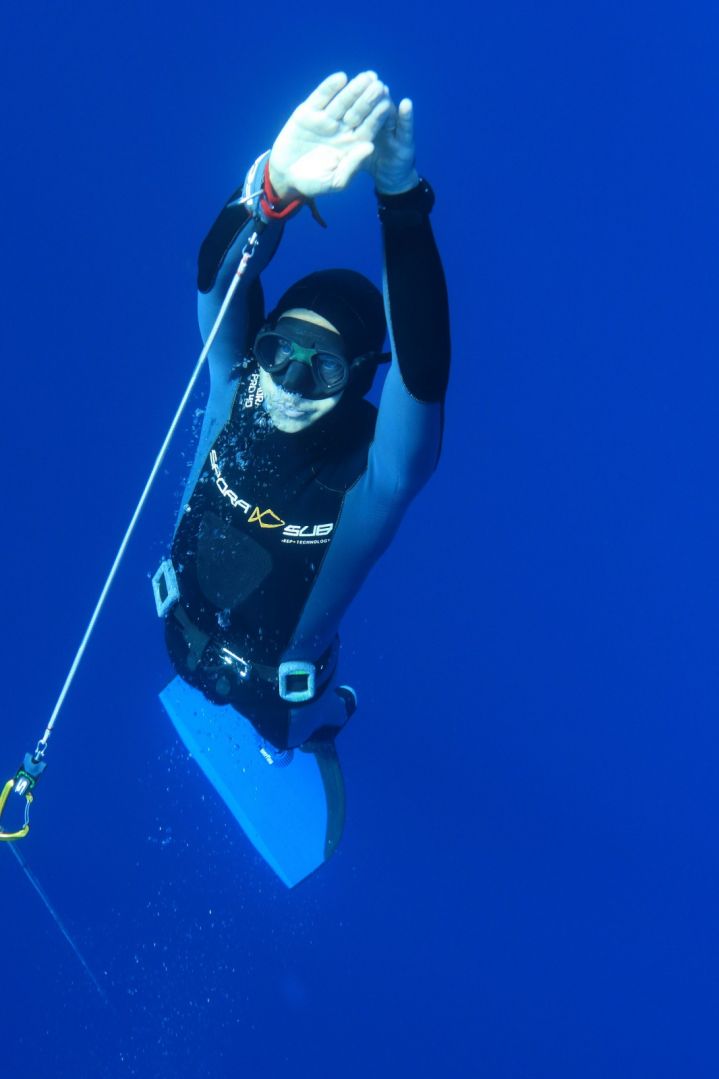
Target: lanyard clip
[[28, 774]]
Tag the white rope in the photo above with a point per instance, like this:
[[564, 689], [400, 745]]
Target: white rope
[[56, 918], [247, 253]]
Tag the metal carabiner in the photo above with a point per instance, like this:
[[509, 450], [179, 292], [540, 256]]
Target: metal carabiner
[[21, 832], [22, 783]]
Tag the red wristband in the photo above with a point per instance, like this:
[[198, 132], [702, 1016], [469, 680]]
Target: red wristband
[[270, 199]]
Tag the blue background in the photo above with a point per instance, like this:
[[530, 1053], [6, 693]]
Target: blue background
[[527, 885]]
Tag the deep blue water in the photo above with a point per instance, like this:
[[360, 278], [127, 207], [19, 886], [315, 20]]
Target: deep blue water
[[527, 885]]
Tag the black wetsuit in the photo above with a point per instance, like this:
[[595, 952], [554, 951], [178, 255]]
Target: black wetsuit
[[278, 531]]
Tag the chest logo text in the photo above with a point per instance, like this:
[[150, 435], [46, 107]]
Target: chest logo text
[[268, 518]]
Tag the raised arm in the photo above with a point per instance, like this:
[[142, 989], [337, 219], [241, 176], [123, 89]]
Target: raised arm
[[408, 432], [219, 257], [409, 424]]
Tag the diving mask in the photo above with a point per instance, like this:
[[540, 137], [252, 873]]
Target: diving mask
[[303, 358]]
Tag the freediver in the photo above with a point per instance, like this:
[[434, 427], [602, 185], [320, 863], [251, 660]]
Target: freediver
[[299, 483]]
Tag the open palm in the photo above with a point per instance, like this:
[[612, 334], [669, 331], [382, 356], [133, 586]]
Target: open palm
[[329, 136]]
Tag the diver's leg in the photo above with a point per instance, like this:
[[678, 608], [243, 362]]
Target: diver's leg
[[324, 717]]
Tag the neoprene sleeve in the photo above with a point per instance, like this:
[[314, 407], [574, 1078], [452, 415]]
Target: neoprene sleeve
[[408, 432], [218, 259], [417, 292]]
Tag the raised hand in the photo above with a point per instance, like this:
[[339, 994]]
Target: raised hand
[[392, 163], [329, 136]]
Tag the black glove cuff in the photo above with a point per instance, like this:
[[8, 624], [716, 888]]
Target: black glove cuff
[[408, 209]]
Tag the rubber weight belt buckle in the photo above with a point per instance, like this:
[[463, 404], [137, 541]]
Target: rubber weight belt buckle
[[165, 588], [297, 680]]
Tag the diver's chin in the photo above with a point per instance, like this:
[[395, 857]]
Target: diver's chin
[[291, 412]]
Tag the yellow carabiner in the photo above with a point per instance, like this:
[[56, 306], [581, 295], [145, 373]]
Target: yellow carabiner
[[22, 832]]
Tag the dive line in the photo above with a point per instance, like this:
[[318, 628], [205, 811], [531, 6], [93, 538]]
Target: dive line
[[56, 918]]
